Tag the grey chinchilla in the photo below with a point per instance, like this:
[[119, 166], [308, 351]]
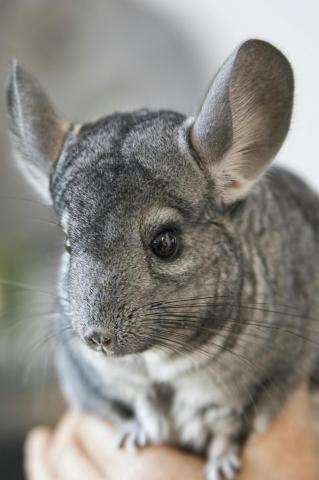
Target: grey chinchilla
[[188, 292]]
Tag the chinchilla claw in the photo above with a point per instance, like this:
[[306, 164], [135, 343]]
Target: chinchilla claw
[[225, 468], [131, 436]]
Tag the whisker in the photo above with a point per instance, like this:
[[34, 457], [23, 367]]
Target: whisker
[[44, 340], [214, 297], [233, 321], [29, 200], [226, 332], [31, 288], [186, 348]]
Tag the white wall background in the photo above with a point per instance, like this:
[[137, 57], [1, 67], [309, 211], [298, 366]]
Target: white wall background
[[216, 27]]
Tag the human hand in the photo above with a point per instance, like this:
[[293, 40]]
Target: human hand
[[83, 448], [289, 449]]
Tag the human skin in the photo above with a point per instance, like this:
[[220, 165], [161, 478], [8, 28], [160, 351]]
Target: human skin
[[82, 447]]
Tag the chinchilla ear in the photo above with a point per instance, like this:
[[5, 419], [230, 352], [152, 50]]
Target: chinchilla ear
[[37, 131], [244, 118]]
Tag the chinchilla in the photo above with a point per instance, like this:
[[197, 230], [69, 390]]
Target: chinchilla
[[188, 291]]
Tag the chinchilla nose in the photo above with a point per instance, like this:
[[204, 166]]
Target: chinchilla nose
[[98, 339]]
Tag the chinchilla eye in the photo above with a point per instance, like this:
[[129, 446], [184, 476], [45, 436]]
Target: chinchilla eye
[[67, 245], [164, 244]]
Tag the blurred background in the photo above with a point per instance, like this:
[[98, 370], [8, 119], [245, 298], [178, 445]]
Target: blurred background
[[94, 57]]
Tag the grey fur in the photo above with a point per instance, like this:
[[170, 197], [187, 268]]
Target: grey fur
[[207, 346]]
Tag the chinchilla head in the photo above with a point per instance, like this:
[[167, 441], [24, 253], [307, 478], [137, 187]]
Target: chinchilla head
[[146, 199]]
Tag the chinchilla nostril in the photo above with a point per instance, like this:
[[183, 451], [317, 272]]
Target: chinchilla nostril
[[97, 340], [105, 341]]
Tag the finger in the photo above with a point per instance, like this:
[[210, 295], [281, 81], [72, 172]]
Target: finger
[[65, 428], [63, 434], [292, 428], [74, 464], [98, 439], [35, 455], [68, 460]]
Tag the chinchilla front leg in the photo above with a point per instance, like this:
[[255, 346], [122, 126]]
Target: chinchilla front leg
[[217, 431], [151, 425]]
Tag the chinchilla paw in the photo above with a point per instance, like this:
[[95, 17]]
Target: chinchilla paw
[[226, 467], [131, 436], [158, 429]]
